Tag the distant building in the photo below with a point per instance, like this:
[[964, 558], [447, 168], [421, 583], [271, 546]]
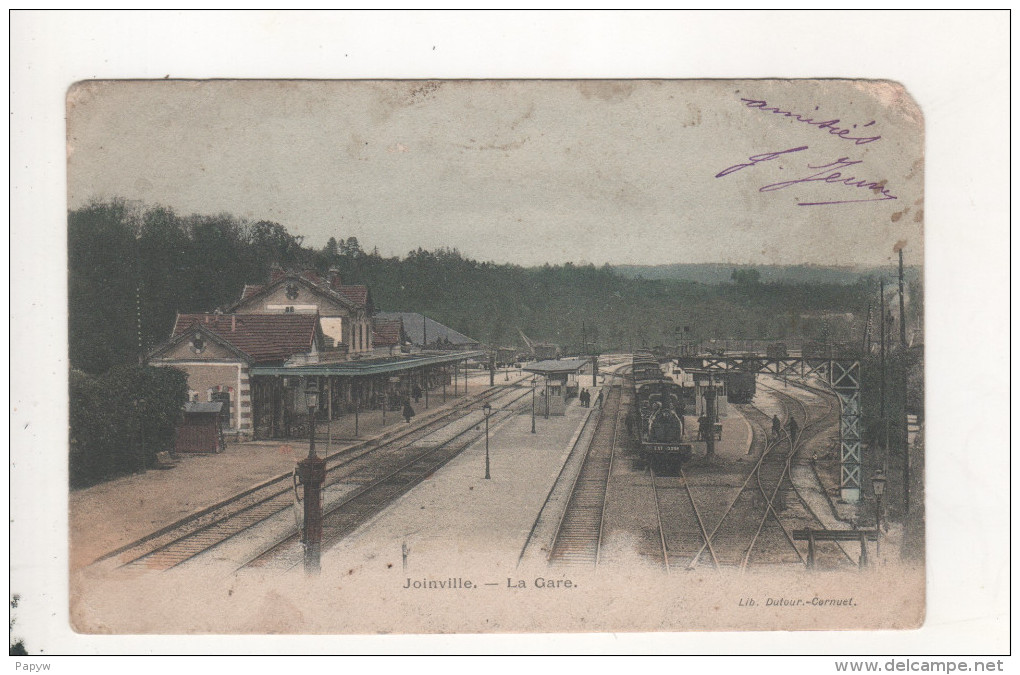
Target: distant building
[[418, 328], [345, 311]]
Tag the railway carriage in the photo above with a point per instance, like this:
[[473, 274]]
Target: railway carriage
[[645, 367], [740, 386]]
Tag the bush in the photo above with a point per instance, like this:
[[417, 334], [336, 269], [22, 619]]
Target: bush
[[121, 419]]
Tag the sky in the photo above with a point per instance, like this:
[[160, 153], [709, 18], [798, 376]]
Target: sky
[[526, 172]]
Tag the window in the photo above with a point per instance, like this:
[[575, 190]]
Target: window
[[289, 309]]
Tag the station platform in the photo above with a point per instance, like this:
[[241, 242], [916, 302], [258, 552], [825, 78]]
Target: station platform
[[456, 519], [106, 516], [735, 444]]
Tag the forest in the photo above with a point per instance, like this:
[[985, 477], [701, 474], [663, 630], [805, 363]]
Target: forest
[[132, 269]]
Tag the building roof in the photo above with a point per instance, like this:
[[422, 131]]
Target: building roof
[[556, 366], [416, 331], [264, 338], [250, 290], [354, 296], [386, 332]]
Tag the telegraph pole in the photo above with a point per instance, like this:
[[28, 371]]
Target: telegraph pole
[[882, 415], [903, 383], [867, 332], [903, 316]]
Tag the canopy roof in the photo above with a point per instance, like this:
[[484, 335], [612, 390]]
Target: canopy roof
[[556, 366], [363, 367]]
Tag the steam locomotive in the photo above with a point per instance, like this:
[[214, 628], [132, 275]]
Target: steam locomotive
[[657, 419]]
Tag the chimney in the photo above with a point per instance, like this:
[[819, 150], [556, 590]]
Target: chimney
[[207, 318], [233, 323], [334, 278]]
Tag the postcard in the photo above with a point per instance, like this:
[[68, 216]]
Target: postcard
[[490, 356]]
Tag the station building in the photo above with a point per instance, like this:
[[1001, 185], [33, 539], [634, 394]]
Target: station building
[[345, 311], [300, 327]]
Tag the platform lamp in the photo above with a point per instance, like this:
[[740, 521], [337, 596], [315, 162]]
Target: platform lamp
[[487, 410], [878, 487], [534, 386], [312, 473]]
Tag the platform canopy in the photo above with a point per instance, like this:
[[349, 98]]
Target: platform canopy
[[198, 408], [556, 366], [364, 367]]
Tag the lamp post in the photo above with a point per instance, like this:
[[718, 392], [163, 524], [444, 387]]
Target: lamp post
[[487, 410], [878, 486], [547, 396], [312, 472], [534, 386]]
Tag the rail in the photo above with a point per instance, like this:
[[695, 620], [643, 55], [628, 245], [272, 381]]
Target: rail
[[559, 477], [609, 474], [221, 512], [367, 488]]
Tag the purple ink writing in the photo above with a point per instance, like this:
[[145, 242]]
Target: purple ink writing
[[830, 173], [755, 159], [837, 177], [827, 125]]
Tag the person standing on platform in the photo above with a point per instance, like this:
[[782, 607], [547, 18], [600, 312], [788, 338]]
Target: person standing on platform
[[704, 428], [408, 411], [777, 426]]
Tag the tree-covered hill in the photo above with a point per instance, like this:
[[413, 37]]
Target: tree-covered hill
[[132, 269]]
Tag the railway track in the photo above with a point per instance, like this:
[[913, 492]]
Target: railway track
[[735, 535], [377, 487], [200, 532], [750, 530], [797, 509], [579, 536], [682, 533]]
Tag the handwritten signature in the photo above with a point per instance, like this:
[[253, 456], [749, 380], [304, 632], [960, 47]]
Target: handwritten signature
[[826, 125], [830, 173]]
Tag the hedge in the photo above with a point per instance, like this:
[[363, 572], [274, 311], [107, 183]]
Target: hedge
[[121, 419]]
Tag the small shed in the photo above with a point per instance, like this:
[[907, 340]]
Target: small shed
[[199, 430], [560, 382]]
